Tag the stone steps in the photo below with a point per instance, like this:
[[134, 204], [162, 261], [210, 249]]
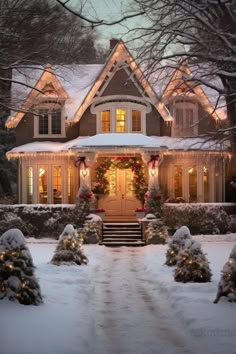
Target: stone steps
[[122, 234]]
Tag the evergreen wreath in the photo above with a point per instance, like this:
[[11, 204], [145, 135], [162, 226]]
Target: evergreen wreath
[[101, 185]]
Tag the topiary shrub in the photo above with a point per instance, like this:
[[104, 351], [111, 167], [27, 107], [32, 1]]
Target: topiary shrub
[[192, 265], [17, 280], [176, 244], [92, 232], [69, 248], [156, 233]]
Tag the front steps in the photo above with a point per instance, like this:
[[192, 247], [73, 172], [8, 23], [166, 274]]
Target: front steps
[[122, 234]]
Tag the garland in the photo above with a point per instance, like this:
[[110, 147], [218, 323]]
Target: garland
[[101, 186]]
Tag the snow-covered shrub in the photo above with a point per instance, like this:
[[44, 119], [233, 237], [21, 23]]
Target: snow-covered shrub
[[69, 248], [199, 218], [176, 244], [92, 232], [17, 280], [156, 232], [11, 220], [192, 265], [227, 284]]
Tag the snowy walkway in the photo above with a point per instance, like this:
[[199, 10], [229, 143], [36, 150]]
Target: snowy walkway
[[123, 302], [132, 314]]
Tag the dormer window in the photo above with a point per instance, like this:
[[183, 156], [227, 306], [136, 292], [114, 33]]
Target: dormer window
[[49, 121], [185, 115]]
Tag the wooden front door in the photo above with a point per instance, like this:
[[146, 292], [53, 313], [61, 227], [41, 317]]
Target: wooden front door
[[121, 199]]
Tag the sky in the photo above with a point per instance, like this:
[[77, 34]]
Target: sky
[[109, 10]]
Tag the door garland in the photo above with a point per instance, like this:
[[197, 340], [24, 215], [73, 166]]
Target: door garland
[[100, 186]]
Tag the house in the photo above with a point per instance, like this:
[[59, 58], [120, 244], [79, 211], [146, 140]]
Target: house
[[108, 127]]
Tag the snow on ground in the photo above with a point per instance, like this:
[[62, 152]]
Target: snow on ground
[[124, 301]]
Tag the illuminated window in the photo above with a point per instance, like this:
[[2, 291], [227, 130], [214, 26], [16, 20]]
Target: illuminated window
[[206, 183], [120, 120], [105, 121], [178, 181], [57, 185], [192, 172], [49, 122], [136, 121], [70, 185], [29, 173], [43, 185]]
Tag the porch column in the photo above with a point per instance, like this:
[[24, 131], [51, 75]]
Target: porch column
[[84, 162], [153, 160]]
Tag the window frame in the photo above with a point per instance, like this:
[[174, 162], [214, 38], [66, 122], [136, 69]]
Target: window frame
[[185, 105], [49, 107], [128, 107]]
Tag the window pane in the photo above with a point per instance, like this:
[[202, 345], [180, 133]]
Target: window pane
[[206, 184], [178, 181], [192, 171], [105, 121], [57, 185], [56, 121], [43, 122], [120, 120], [43, 185], [29, 173], [136, 121], [70, 185]]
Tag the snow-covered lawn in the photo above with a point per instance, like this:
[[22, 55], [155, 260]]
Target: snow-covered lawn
[[124, 301]]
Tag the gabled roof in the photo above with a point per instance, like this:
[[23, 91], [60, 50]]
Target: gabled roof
[[75, 80], [182, 83], [46, 86], [121, 57]]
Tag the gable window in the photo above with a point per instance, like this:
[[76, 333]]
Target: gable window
[[105, 121], [136, 121], [120, 120], [49, 121], [185, 114]]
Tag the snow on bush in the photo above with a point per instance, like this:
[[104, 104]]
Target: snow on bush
[[156, 232], [227, 284], [199, 218], [17, 280], [192, 265], [69, 249], [176, 244], [92, 232]]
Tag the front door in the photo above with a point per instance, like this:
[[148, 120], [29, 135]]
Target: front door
[[121, 199]]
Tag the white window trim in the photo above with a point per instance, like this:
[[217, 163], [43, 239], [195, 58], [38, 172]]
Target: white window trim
[[185, 104], [49, 135], [129, 107]]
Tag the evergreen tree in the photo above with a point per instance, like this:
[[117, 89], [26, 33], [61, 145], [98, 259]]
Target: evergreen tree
[[176, 244], [69, 248], [154, 202], [84, 199], [192, 264], [17, 280], [227, 284]]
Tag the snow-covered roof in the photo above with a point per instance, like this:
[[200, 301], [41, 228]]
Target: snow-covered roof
[[77, 80], [116, 141]]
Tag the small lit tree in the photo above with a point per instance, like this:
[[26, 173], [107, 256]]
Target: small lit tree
[[17, 280], [176, 244], [156, 233], [227, 284], [84, 199], [192, 264], [69, 248], [154, 202]]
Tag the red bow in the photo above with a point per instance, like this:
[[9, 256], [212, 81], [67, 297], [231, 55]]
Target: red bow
[[81, 161], [154, 160]]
